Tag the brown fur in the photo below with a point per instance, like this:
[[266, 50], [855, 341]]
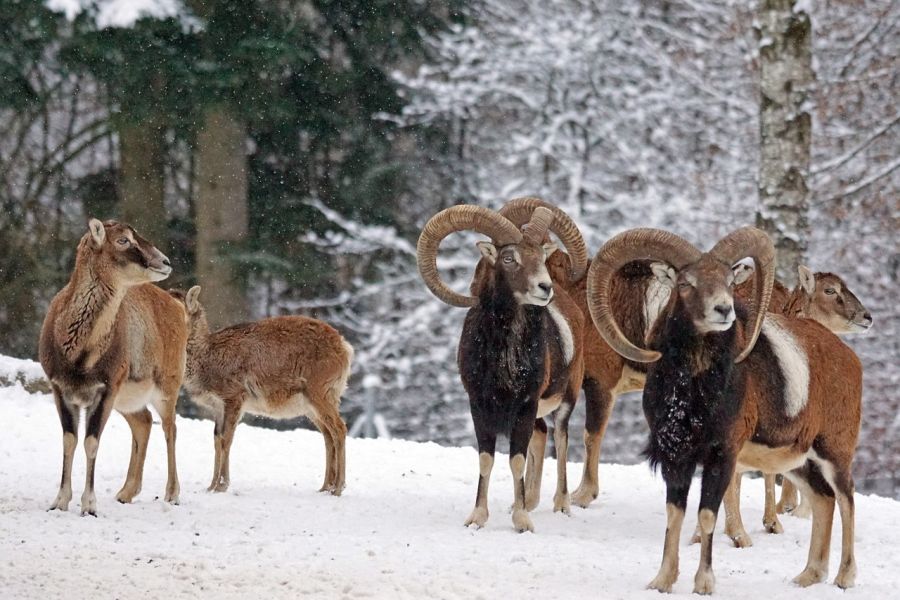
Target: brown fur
[[280, 367], [832, 304], [608, 374], [815, 447], [497, 359], [109, 340]]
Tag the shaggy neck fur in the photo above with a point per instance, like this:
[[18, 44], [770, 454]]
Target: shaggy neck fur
[[502, 354], [85, 325], [690, 392]]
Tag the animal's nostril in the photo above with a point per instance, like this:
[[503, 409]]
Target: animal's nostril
[[867, 316], [723, 309], [166, 262], [545, 287]]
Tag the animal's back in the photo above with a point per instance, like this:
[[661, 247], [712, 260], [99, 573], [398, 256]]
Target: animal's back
[[277, 345]]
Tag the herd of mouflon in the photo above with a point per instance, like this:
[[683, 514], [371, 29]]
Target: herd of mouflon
[[737, 371]]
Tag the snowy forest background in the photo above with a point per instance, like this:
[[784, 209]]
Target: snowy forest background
[[285, 154]]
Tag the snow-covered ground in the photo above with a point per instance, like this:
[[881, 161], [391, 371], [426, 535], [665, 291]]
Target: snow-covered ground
[[396, 533]]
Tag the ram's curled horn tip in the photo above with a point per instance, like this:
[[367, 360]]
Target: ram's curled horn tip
[[539, 224], [626, 247], [519, 211], [755, 243], [450, 220]]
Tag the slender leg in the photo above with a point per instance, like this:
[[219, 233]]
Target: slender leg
[[843, 486], [734, 522], [788, 500], [217, 446], [167, 415], [676, 501], [561, 439], [328, 484], [519, 438], [535, 465], [810, 482], [140, 423], [335, 456], [487, 440], [230, 422], [598, 406], [339, 433], [96, 421], [718, 475], [770, 515], [68, 418]]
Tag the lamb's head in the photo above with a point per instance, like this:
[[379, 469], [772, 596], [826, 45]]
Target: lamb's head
[[194, 313], [116, 252], [514, 259], [703, 281]]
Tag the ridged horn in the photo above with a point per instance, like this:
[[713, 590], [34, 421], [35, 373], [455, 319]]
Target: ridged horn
[[752, 242], [536, 229], [631, 245], [450, 220], [519, 211]]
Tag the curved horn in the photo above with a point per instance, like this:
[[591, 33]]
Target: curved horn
[[635, 244], [752, 242], [536, 229], [519, 211], [458, 218]]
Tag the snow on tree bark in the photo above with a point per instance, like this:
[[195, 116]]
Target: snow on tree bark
[[785, 125]]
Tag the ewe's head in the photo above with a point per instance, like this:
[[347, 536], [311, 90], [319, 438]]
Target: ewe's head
[[828, 300], [118, 252], [703, 281], [515, 258]]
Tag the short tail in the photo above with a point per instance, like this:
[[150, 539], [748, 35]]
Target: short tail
[[337, 387]]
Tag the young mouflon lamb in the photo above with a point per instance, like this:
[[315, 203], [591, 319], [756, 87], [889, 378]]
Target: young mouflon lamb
[[280, 367]]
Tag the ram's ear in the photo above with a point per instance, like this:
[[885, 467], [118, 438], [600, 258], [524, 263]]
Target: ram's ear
[[98, 232], [549, 248], [191, 301], [488, 250], [742, 270], [807, 280], [664, 273]]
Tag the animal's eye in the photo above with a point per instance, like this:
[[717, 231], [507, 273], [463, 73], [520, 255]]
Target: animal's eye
[[508, 260], [123, 241], [684, 285], [830, 291]]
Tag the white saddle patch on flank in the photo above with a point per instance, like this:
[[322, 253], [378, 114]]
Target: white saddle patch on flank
[[793, 363], [655, 299], [565, 334]]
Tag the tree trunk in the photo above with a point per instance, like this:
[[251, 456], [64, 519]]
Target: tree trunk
[[786, 79], [221, 214], [142, 200]]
